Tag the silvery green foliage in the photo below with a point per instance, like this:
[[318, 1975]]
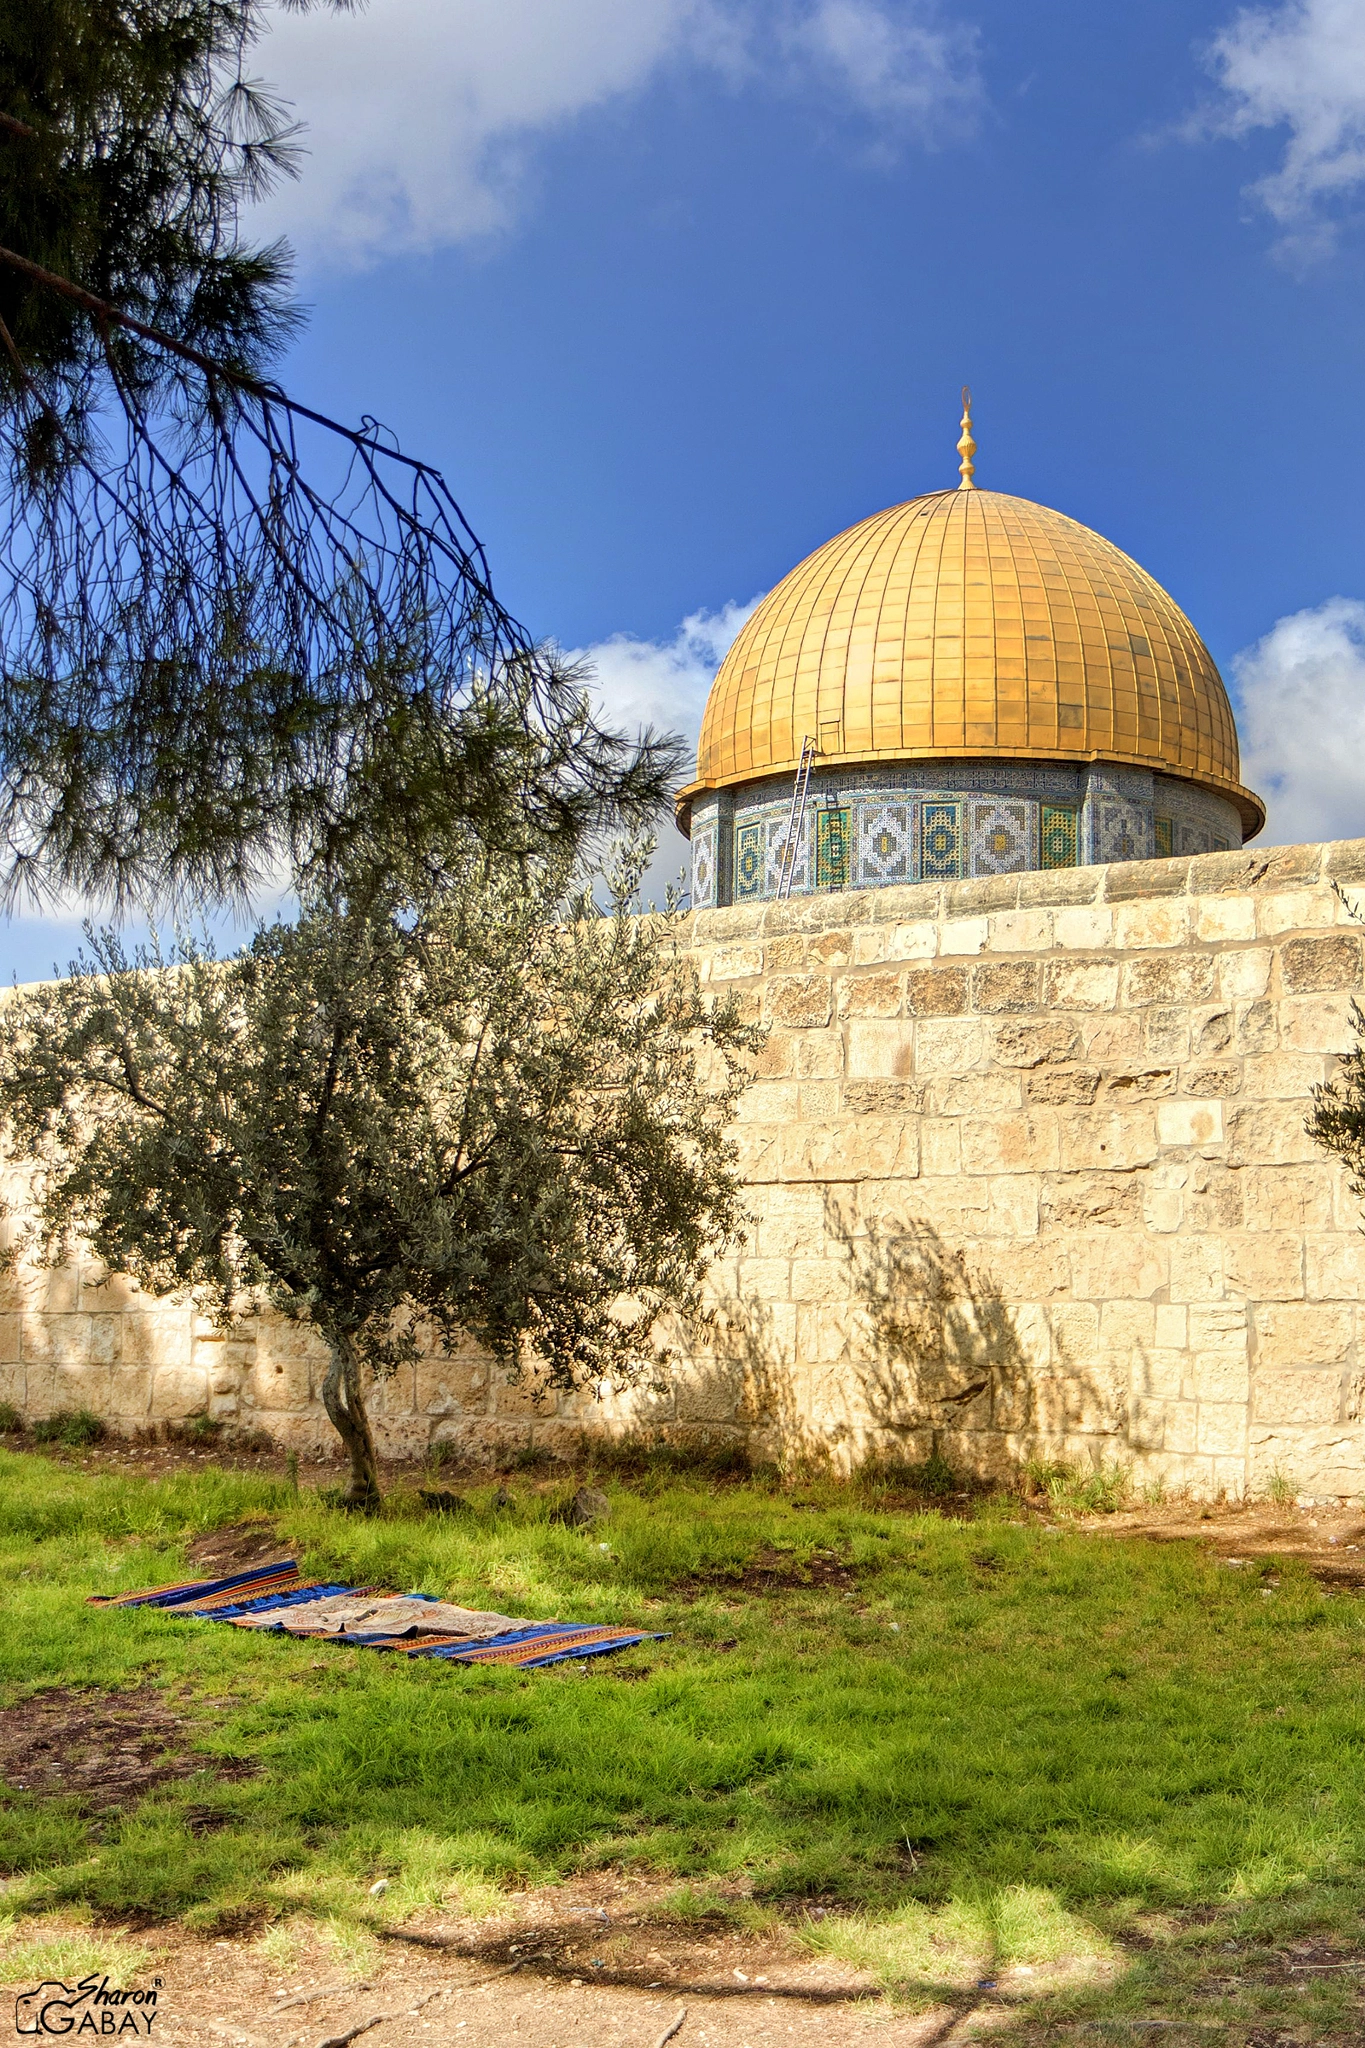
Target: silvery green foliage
[[499, 1113]]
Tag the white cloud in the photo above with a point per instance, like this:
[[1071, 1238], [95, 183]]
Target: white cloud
[[1302, 723], [664, 684], [422, 115], [1299, 66]]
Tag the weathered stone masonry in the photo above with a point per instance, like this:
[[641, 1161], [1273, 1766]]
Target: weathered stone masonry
[[1064, 1110]]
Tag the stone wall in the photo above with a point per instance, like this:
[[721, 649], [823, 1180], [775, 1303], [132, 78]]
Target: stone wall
[[1028, 1175]]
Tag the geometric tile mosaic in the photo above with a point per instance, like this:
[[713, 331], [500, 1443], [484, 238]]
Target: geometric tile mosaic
[[940, 842], [832, 849], [1001, 837], [886, 849], [749, 862], [1057, 836]]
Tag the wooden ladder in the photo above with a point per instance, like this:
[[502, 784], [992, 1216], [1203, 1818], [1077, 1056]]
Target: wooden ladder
[[795, 819]]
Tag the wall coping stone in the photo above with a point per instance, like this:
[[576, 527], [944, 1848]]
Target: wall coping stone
[[1264, 872]]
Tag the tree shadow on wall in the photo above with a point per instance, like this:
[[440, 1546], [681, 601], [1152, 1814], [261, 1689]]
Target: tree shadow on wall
[[942, 1351]]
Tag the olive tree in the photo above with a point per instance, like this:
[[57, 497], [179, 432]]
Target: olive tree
[[500, 1111]]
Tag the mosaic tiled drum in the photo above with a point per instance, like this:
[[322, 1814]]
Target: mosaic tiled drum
[[991, 687]]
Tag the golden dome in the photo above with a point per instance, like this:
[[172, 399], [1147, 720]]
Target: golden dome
[[968, 624]]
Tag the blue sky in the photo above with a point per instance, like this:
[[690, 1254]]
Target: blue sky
[[675, 289]]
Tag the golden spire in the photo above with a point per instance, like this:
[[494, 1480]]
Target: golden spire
[[966, 446]]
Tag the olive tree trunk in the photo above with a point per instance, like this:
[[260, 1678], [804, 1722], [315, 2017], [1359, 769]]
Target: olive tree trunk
[[345, 1405]]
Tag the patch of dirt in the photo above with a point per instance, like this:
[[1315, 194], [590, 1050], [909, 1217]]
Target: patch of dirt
[[105, 1748], [237, 1548], [777, 1571], [1330, 1542]]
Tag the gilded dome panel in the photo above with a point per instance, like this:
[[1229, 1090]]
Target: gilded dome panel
[[971, 623]]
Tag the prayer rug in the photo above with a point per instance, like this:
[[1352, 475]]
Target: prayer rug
[[275, 1597]]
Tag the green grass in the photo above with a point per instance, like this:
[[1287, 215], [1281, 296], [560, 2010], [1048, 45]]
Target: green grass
[[1011, 1744]]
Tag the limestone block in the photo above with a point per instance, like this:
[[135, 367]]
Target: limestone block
[[737, 963], [1294, 1335], [1345, 861], [1170, 1330], [815, 1280], [963, 935], [818, 1101], [527, 1396], [825, 1330], [1171, 978], [400, 1436], [999, 986], [281, 1382], [1054, 1085], [885, 1098], [819, 1055], [918, 941], [1163, 1375], [954, 1204], [1221, 1429], [1152, 923], [1077, 1201], [880, 1049], [1326, 1462], [936, 991], [1220, 1376], [1021, 931], [879, 1148], [1166, 1033], [1050, 1041], [1163, 1209], [1267, 1265], [1223, 919], [799, 1000], [769, 1102], [1074, 1328], [9, 1339], [1291, 1197], [871, 995], [785, 952], [981, 893], [1196, 1269], [1334, 1268], [984, 1094], [1084, 930], [1013, 1210], [1219, 1327], [450, 1386], [869, 945], [1107, 1040], [831, 948], [1214, 1197], [130, 1394], [178, 1392], [775, 1058], [1320, 1024], [1147, 1425], [1310, 1397], [1127, 1330], [60, 1341], [1036, 1271], [1268, 1134], [1061, 886], [1116, 1140], [940, 1145], [1182, 1426], [791, 1224], [1137, 1084], [1081, 984], [1220, 1081], [1257, 1027], [45, 1290], [947, 1045], [1019, 1143], [1213, 1035], [1112, 1265], [1190, 1123], [759, 1152], [223, 1380], [739, 920], [1289, 910]]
